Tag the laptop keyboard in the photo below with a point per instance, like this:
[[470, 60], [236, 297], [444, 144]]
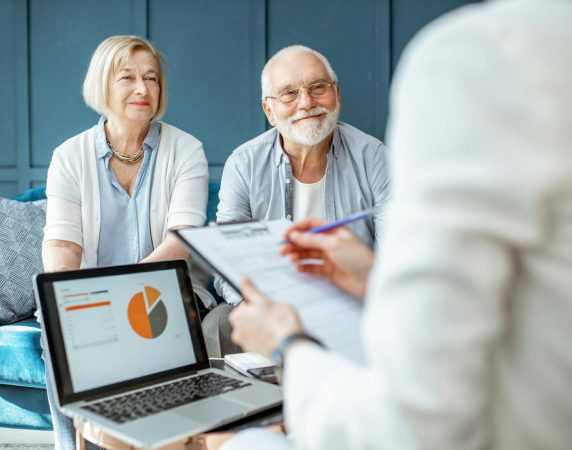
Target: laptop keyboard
[[161, 398]]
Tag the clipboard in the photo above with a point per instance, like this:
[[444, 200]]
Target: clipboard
[[202, 258], [251, 249]]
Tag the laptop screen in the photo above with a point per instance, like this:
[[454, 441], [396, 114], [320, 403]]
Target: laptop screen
[[122, 327], [118, 327]]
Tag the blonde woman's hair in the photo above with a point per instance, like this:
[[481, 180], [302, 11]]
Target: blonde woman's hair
[[112, 54]]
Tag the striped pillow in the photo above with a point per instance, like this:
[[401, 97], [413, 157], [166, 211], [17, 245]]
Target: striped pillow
[[21, 233]]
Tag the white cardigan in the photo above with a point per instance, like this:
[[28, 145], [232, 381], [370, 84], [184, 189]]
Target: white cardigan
[[178, 195]]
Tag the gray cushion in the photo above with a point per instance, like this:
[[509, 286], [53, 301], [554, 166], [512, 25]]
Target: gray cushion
[[21, 233]]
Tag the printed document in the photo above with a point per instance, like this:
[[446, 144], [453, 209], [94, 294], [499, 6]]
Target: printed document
[[252, 250]]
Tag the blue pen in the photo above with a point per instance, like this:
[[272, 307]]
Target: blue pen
[[339, 223]]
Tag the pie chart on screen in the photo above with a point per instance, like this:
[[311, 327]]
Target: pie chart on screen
[[147, 313]]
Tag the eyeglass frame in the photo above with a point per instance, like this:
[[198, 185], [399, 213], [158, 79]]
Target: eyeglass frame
[[330, 85]]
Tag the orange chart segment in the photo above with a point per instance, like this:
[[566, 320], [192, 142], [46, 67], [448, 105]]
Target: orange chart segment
[[152, 295], [138, 318]]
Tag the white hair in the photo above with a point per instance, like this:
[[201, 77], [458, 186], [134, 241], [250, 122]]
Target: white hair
[[265, 76]]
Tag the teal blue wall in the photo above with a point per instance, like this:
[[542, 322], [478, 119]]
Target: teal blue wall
[[215, 50]]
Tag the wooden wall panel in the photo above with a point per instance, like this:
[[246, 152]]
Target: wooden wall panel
[[215, 51], [409, 16], [354, 36], [8, 92], [8, 189], [63, 36]]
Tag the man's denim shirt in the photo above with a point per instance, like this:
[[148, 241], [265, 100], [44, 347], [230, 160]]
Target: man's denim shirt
[[257, 181]]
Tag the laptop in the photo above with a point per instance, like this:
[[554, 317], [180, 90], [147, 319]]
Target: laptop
[[127, 354]]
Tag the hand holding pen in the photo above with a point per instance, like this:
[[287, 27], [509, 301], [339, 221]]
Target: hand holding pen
[[333, 252], [342, 222], [338, 223]]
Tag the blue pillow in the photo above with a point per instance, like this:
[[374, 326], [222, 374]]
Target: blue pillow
[[20, 353], [32, 195]]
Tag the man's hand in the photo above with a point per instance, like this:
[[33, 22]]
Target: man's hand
[[259, 324], [346, 260]]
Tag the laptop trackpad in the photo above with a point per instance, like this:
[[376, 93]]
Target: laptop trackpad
[[211, 410]]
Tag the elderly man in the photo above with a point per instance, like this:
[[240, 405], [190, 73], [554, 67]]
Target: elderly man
[[309, 164]]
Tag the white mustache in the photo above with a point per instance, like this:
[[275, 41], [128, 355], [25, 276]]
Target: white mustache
[[305, 114]]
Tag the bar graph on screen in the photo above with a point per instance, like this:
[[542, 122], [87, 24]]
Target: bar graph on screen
[[86, 310]]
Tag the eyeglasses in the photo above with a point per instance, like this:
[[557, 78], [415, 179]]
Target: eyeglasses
[[315, 90]]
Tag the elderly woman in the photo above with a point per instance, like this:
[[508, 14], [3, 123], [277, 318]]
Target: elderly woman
[[116, 189]]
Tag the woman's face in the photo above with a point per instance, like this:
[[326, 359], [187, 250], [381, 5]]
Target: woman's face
[[134, 90]]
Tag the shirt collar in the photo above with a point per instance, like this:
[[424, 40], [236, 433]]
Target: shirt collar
[[102, 149], [278, 150], [280, 155]]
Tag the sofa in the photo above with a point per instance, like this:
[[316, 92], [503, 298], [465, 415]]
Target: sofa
[[23, 399]]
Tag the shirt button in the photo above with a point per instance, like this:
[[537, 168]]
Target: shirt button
[[287, 180], [288, 216]]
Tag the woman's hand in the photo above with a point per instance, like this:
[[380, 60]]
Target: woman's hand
[[170, 248], [346, 261], [58, 255]]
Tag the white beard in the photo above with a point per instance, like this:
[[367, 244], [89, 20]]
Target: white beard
[[310, 131]]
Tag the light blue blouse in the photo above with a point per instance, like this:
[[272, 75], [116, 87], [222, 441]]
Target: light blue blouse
[[125, 231]]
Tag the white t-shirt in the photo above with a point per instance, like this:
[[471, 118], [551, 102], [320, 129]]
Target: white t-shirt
[[309, 199]]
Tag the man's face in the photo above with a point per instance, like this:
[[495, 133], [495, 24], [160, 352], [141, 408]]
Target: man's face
[[309, 119]]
